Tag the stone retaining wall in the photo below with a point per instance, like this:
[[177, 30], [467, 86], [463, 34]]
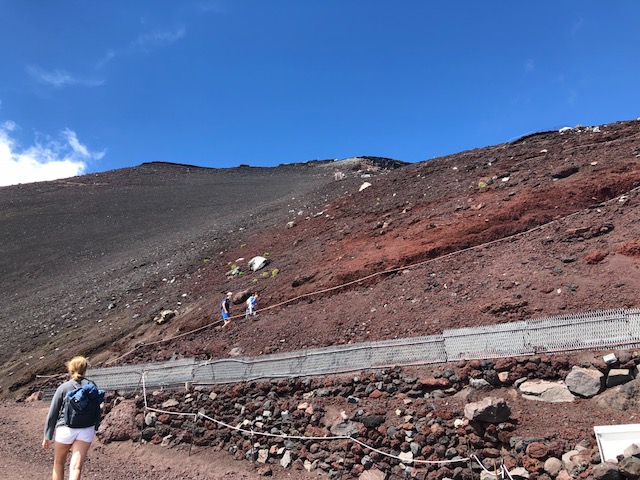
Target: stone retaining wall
[[392, 411]]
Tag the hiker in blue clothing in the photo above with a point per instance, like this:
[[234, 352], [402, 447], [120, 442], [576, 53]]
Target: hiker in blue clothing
[[225, 306], [76, 440], [252, 303]]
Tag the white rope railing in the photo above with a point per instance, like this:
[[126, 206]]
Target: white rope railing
[[253, 433]]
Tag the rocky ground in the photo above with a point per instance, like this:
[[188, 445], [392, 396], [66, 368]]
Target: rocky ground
[[545, 225], [450, 413]]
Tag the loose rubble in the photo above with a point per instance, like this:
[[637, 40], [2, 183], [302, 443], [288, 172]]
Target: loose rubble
[[387, 422]]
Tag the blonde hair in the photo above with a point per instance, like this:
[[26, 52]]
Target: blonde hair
[[77, 367]]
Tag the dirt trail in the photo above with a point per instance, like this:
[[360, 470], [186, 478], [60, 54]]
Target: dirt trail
[[22, 456]]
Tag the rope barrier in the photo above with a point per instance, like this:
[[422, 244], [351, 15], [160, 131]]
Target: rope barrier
[[303, 437], [475, 457], [506, 472], [272, 435]]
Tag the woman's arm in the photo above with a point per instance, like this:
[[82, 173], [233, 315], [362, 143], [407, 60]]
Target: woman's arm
[[54, 413]]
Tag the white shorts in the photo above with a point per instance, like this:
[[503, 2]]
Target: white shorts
[[68, 435]]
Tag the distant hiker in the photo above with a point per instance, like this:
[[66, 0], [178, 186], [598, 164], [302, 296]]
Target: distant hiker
[[76, 439], [225, 305], [252, 303]]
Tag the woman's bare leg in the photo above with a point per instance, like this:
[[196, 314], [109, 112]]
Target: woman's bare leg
[[60, 451], [79, 451]]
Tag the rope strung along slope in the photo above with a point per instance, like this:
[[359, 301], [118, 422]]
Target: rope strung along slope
[[362, 279]]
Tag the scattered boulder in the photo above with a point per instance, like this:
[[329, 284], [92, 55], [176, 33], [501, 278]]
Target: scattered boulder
[[430, 383], [610, 359], [537, 450], [34, 397], [372, 474], [258, 262], [629, 467], [576, 461], [632, 450], [595, 257], [263, 455], [621, 397], [553, 466], [479, 383], [234, 272], [172, 402], [630, 248], [545, 391], [519, 473], [585, 382], [346, 428], [606, 471], [372, 421], [406, 457], [285, 461], [618, 376], [164, 316], [488, 410], [240, 297], [150, 419], [119, 424]]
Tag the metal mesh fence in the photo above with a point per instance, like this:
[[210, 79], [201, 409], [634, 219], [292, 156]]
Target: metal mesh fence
[[502, 340], [125, 378], [593, 330], [579, 331]]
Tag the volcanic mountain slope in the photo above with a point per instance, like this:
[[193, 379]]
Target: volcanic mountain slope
[[544, 225], [86, 260]]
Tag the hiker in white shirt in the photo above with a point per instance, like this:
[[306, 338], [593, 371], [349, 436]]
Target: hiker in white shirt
[[252, 303]]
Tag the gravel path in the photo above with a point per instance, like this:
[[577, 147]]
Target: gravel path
[[22, 456]]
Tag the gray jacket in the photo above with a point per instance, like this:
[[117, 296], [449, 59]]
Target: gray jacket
[[55, 417]]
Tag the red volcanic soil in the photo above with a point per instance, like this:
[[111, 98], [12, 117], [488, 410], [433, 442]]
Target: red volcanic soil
[[542, 226], [547, 224]]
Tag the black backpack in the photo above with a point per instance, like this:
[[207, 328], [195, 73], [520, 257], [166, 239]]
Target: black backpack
[[82, 406]]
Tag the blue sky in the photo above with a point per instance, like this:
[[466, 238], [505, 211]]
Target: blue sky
[[94, 86]]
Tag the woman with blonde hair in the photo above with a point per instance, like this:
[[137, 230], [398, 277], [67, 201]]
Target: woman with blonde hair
[[76, 440]]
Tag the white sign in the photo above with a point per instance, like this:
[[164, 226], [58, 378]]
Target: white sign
[[613, 440]]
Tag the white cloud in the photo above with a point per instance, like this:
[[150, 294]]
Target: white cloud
[[76, 146], [143, 44], [54, 159], [210, 6], [159, 38], [8, 125], [108, 56], [61, 78], [529, 66]]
